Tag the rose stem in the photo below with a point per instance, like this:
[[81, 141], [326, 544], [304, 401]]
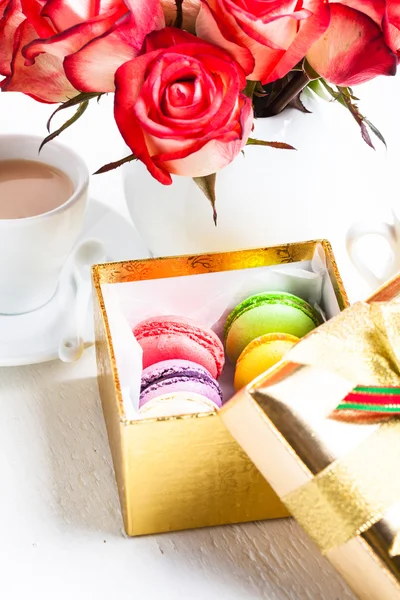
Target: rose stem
[[179, 14], [290, 91]]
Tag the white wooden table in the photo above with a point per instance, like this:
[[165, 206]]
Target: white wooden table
[[61, 533]]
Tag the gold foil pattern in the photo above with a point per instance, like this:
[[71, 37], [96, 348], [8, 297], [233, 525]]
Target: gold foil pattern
[[361, 344], [353, 493]]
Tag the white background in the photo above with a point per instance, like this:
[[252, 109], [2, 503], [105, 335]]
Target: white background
[[61, 533]]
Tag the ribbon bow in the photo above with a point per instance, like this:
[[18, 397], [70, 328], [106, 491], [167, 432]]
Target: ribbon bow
[[358, 350], [362, 344]]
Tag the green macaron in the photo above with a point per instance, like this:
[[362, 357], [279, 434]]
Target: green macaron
[[270, 312]]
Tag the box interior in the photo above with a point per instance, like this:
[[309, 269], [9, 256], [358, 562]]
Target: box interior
[[207, 298]]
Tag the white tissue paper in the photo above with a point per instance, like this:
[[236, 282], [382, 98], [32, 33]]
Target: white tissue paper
[[207, 298]]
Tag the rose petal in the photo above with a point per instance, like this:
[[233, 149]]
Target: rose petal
[[71, 40], [374, 9], [276, 38], [208, 29], [392, 37], [157, 89], [219, 112], [214, 155], [128, 82], [11, 17], [32, 10], [3, 6], [147, 16], [352, 50], [393, 11], [269, 9], [277, 34], [120, 44], [235, 128], [165, 38], [391, 25], [206, 101], [273, 28], [30, 80], [67, 13], [310, 30]]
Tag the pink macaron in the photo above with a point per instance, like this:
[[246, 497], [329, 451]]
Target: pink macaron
[[171, 337]]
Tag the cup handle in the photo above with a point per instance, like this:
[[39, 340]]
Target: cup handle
[[360, 230]]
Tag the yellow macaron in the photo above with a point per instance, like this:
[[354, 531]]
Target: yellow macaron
[[260, 355]]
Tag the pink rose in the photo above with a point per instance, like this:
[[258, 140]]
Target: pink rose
[[267, 38], [180, 107], [100, 36], [353, 49]]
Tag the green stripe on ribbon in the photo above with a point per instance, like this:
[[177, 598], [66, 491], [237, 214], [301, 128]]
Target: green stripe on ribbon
[[383, 408], [377, 390]]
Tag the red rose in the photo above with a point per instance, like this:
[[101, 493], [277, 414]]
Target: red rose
[[180, 107], [267, 38], [100, 35], [353, 48]]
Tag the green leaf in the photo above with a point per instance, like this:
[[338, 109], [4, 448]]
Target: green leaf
[[259, 90], [309, 71], [319, 89], [83, 97], [365, 135], [116, 164], [207, 186], [329, 89], [345, 96], [278, 145], [249, 89], [376, 131], [78, 113]]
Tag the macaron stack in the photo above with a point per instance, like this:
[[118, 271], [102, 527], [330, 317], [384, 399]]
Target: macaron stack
[[182, 361], [262, 328]]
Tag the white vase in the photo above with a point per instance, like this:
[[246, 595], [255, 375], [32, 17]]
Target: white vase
[[268, 196]]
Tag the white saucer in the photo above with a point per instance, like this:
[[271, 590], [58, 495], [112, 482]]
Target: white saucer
[[34, 337]]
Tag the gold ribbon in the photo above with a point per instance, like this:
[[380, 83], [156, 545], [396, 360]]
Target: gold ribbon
[[353, 493], [361, 345], [394, 549]]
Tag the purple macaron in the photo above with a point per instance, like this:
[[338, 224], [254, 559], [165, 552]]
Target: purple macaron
[[171, 376]]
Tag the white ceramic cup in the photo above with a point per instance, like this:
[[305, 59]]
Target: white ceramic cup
[[390, 232], [34, 249]]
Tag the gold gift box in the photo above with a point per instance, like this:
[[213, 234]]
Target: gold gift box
[[328, 469], [185, 472]]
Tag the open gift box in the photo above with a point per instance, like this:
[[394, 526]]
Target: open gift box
[[188, 471], [323, 426]]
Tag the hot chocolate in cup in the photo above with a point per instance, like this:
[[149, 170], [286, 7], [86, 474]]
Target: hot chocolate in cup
[[43, 198]]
